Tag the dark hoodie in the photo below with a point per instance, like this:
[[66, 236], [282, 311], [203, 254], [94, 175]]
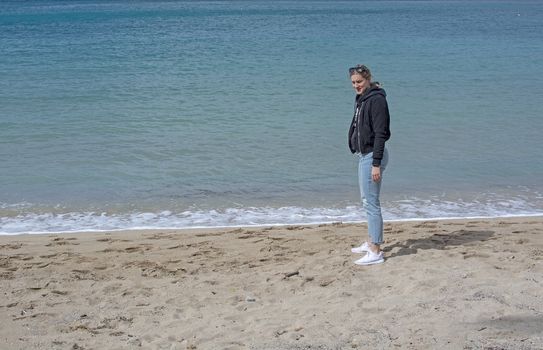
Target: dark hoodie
[[370, 127]]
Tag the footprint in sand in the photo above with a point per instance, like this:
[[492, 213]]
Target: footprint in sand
[[139, 248], [11, 268], [297, 228], [111, 250], [160, 235], [133, 249], [426, 224], [62, 241], [212, 234], [106, 239], [467, 255], [245, 236], [326, 281], [11, 246], [83, 275], [22, 257], [505, 223], [7, 275], [238, 230], [176, 246]]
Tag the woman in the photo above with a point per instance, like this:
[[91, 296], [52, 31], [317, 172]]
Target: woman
[[367, 136]]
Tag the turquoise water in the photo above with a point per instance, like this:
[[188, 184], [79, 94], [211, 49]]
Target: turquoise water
[[214, 113]]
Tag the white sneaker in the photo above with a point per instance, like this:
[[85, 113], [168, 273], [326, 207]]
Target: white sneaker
[[370, 259], [364, 248]]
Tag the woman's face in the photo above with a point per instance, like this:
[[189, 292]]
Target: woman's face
[[360, 84]]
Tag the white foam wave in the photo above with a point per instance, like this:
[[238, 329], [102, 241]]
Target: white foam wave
[[412, 209]]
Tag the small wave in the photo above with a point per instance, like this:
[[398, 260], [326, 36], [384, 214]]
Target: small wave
[[401, 210]]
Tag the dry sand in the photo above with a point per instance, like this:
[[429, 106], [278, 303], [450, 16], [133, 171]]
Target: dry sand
[[460, 284]]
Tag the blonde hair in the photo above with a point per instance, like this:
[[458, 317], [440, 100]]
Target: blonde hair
[[362, 70]]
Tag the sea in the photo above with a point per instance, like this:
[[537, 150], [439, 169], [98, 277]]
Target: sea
[[182, 114]]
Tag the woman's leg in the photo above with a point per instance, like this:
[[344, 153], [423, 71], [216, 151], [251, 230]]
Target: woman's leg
[[370, 191]]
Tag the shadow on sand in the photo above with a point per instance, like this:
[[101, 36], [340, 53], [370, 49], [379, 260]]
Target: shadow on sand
[[439, 241], [519, 324]]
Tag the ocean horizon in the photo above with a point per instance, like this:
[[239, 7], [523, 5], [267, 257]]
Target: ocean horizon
[[189, 114]]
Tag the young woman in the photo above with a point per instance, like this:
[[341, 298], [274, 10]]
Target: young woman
[[370, 129]]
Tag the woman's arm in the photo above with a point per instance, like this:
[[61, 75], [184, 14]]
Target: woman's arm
[[380, 119]]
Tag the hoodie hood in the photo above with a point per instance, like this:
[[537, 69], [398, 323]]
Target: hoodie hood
[[373, 90]]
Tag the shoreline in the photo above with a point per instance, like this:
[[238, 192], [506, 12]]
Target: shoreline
[[277, 287], [278, 225]]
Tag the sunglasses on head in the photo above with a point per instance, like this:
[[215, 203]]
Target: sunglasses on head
[[358, 69]]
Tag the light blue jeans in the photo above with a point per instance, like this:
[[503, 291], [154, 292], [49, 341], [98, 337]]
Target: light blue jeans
[[369, 191]]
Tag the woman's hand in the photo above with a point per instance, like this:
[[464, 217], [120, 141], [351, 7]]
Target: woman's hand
[[376, 173]]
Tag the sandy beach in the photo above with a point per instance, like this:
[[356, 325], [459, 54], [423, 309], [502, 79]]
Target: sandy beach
[[456, 284]]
